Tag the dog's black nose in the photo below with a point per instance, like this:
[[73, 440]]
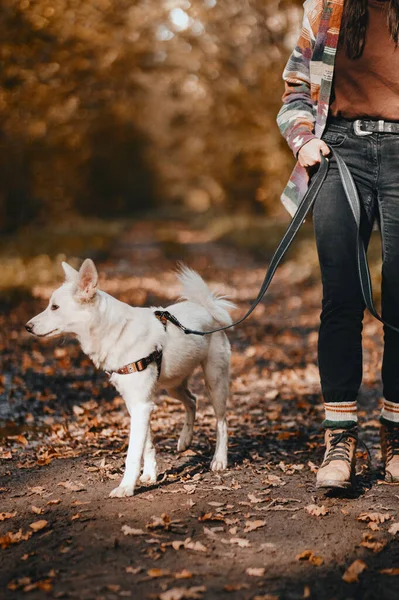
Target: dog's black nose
[[29, 327]]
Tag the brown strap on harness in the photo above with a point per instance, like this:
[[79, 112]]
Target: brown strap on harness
[[142, 364]]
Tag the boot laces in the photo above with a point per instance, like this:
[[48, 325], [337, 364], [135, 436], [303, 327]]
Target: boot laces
[[340, 445], [392, 442]]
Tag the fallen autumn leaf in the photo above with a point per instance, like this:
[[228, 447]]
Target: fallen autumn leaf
[[38, 525], [352, 573]]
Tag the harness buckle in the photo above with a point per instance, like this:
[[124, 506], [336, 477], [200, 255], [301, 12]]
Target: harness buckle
[[162, 317]]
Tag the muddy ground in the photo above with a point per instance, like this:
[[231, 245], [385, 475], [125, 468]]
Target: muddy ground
[[257, 531]]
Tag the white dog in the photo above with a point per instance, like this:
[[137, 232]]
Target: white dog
[[118, 337]]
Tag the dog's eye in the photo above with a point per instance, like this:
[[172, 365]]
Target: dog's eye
[[54, 307]]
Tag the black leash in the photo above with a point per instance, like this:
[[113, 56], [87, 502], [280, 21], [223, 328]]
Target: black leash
[[293, 228]]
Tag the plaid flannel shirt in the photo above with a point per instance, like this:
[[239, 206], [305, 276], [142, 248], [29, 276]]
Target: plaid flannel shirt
[[308, 78]]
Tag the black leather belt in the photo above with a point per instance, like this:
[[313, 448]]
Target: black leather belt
[[367, 127]]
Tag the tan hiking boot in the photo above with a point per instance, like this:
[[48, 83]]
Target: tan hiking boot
[[339, 459], [390, 452]]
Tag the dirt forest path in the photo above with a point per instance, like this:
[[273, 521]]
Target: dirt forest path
[[258, 531]]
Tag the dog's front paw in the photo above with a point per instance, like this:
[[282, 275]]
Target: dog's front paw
[[122, 491], [218, 464], [148, 478]]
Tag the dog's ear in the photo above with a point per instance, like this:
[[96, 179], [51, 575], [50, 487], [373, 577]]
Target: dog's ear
[[86, 286], [71, 274]]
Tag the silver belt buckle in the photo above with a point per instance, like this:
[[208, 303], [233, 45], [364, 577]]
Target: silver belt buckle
[[358, 131]]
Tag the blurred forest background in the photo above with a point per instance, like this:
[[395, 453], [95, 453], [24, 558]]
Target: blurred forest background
[[110, 107]]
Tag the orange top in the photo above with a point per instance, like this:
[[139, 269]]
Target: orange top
[[368, 86]]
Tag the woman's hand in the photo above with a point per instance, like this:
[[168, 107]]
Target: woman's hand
[[309, 154]]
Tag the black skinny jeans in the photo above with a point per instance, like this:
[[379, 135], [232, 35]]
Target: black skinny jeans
[[374, 163]]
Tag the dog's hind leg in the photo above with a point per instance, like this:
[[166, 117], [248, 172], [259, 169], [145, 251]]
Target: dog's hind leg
[[217, 374], [183, 394], [149, 474]]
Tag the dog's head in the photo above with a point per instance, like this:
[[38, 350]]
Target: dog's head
[[71, 305]]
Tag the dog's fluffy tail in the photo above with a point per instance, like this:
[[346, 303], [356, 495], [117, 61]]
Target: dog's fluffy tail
[[196, 290]]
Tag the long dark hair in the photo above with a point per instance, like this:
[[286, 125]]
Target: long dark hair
[[354, 24]]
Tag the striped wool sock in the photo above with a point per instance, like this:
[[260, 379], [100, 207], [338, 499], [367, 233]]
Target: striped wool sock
[[340, 414], [390, 412]]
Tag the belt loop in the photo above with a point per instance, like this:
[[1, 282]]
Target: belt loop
[[381, 126]]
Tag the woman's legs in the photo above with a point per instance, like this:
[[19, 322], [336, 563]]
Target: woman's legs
[[340, 335], [373, 163], [388, 200]]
